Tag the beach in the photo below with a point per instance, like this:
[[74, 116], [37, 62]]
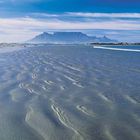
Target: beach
[[70, 92]]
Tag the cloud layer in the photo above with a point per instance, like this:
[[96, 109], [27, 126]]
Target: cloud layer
[[23, 28]]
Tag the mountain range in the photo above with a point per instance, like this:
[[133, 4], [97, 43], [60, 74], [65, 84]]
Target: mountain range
[[68, 37]]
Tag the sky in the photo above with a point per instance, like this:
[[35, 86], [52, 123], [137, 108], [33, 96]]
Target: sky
[[21, 20]]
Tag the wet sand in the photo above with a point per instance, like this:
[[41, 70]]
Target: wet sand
[[69, 93]]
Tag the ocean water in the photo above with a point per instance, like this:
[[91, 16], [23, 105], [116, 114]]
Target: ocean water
[[70, 92]]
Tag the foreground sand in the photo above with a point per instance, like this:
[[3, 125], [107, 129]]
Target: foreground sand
[[69, 93]]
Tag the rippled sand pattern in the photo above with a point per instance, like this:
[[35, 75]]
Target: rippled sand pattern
[[69, 93]]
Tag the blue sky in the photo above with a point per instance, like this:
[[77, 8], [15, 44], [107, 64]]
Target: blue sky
[[23, 19]]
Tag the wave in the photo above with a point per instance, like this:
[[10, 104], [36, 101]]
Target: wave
[[116, 49], [85, 110], [65, 121], [130, 99]]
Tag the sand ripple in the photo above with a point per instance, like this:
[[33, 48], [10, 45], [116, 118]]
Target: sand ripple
[[72, 92]]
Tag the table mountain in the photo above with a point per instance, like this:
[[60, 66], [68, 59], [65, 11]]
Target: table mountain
[[68, 37]]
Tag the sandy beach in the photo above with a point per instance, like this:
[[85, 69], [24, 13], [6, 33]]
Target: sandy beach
[[69, 93]]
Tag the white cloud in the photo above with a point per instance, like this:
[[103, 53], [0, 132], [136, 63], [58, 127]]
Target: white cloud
[[109, 15], [13, 29], [91, 15]]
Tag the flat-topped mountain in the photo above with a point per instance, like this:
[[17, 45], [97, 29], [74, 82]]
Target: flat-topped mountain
[[68, 37]]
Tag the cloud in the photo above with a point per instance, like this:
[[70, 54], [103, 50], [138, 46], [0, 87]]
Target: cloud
[[25, 1], [29, 22], [107, 15], [91, 15], [25, 28]]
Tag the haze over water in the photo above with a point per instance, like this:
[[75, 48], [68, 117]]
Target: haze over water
[[69, 92]]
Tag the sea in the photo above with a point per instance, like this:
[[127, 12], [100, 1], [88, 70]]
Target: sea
[[70, 92]]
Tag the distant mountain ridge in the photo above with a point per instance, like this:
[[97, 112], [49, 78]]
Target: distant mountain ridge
[[68, 37]]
